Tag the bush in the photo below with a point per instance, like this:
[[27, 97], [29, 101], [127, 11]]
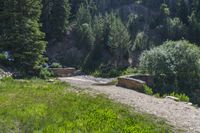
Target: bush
[[129, 71], [175, 63], [148, 90], [45, 73], [181, 96], [56, 65], [2, 56]]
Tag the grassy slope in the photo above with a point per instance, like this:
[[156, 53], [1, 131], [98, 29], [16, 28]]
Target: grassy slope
[[39, 106]]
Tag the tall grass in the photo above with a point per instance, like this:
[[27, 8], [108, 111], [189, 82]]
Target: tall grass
[[38, 106]]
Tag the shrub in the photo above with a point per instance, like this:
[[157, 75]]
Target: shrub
[[141, 42], [181, 96], [157, 95], [2, 56], [129, 71], [45, 73], [175, 63], [148, 90], [56, 65]]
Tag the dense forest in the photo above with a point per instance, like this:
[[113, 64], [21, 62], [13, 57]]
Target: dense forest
[[160, 37]]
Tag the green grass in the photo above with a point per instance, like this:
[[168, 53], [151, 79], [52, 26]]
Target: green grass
[[38, 106], [115, 72]]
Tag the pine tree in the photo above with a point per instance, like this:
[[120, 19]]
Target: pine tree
[[194, 23], [59, 18], [85, 36], [21, 36], [55, 18], [118, 39], [183, 12], [83, 16]]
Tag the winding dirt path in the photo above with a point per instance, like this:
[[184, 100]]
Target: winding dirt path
[[179, 114]]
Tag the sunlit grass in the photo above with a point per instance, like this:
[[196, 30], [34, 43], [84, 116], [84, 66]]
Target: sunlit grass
[[39, 106]]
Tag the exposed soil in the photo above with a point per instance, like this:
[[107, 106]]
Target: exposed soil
[[179, 114]]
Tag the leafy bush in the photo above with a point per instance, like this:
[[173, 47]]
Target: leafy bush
[[114, 72], [56, 65], [157, 95], [45, 73], [175, 64], [141, 42], [181, 96], [2, 56], [148, 90], [129, 71]]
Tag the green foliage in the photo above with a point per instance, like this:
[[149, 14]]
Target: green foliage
[[176, 29], [106, 74], [129, 71], [39, 106], [165, 10], [194, 28], [181, 96], [21, 35], [94, 58], [2, 57], [85, 37], [141, 42], [83, 15], [148, 90], [118, 39], [56, 65], [157, 95], [45, 73], [106, 29], [114, 72], [55, 18], [174, 64]]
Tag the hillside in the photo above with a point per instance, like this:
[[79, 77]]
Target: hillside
[[148, 24]]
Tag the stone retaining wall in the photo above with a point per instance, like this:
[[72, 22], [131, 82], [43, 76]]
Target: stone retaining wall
[[63, 72], [149, 80], [135, 82]]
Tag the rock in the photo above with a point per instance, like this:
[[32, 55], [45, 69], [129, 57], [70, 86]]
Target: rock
[[189, 104], [63, 72], [5, 74], [51, 80], [172, 98], [131, 83], [149, 80], [78, 72]]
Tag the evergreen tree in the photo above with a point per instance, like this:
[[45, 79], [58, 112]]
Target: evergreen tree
[[85, 37], [21, 36], [83, 16], [55, 18], [183, 12], [46, 16], [94, 58], [118, 39]]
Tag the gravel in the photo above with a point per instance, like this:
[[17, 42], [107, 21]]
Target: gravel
[[179, 114]]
